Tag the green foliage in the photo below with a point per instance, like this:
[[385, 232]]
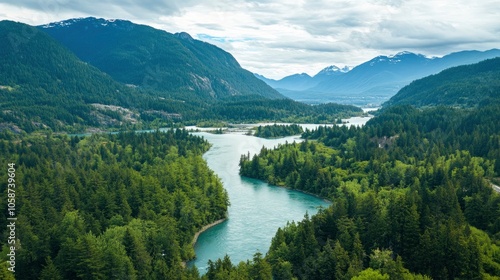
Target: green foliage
[[110, 206], [406, 189], [257, 109], [370, 274], [270, 131], [257, 269], [4, 272]]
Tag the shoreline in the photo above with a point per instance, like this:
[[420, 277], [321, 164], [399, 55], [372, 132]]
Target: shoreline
[[197, 234], [311, 194], [288, 188], [204, 228]]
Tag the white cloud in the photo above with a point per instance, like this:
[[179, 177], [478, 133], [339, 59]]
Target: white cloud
[[278, 37]]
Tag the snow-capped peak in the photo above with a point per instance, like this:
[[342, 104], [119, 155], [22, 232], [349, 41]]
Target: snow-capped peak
[[406, 53], [403, 53], [334, 70], [396, 58], [64, 23]]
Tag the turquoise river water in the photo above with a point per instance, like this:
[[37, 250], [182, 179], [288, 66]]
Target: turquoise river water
[[257, 209]]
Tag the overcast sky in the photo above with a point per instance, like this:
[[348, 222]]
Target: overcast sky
[[282, 37]]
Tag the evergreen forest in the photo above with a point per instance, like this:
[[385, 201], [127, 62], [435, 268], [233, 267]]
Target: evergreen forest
[[411, 197], [108, 206], [276, 130]]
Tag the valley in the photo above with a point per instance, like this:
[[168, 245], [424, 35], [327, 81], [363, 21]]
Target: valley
[[128, 141]]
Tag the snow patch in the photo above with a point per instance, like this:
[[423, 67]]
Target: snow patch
[[334, 69], [72, 21]]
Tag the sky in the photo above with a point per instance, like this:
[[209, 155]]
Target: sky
[[277, 38]]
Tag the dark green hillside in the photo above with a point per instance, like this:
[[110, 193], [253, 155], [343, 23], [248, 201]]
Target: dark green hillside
[[43, 85], [171, 78], [462, 86], [175, 64]]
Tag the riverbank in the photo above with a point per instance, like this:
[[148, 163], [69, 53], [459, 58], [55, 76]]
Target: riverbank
[[308, 193], [197, 234], [256, 211], [295, 190]]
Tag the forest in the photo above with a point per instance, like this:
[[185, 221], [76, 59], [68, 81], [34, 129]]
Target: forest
[[411, 197], [108, 206], [410, 191], [276, 130]]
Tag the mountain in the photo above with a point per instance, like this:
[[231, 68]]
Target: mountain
[[142, 56], [296, 81], [43, 85], [332, 70], [380, 78], [303, 81], [461, 86]]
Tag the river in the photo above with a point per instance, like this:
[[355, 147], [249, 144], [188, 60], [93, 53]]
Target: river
[[257, 209]]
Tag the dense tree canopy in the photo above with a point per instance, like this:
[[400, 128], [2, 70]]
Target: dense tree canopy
[[275, 130], [410, 196], [122, 206]]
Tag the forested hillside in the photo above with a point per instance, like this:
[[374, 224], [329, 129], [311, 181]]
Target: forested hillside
[[461, 86], [123, 206], [175, 64], [44, 85], [410, 192]]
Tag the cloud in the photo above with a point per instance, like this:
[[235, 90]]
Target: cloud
[[211, 26], [313, 46], [278, 37]]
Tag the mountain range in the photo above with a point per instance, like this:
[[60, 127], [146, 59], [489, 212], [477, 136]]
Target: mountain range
[[93, 74], [374, 81], [304, 81]]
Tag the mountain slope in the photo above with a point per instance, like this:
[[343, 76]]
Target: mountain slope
[[296, 81], [42, 84], [461, 86], [171, 63]]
